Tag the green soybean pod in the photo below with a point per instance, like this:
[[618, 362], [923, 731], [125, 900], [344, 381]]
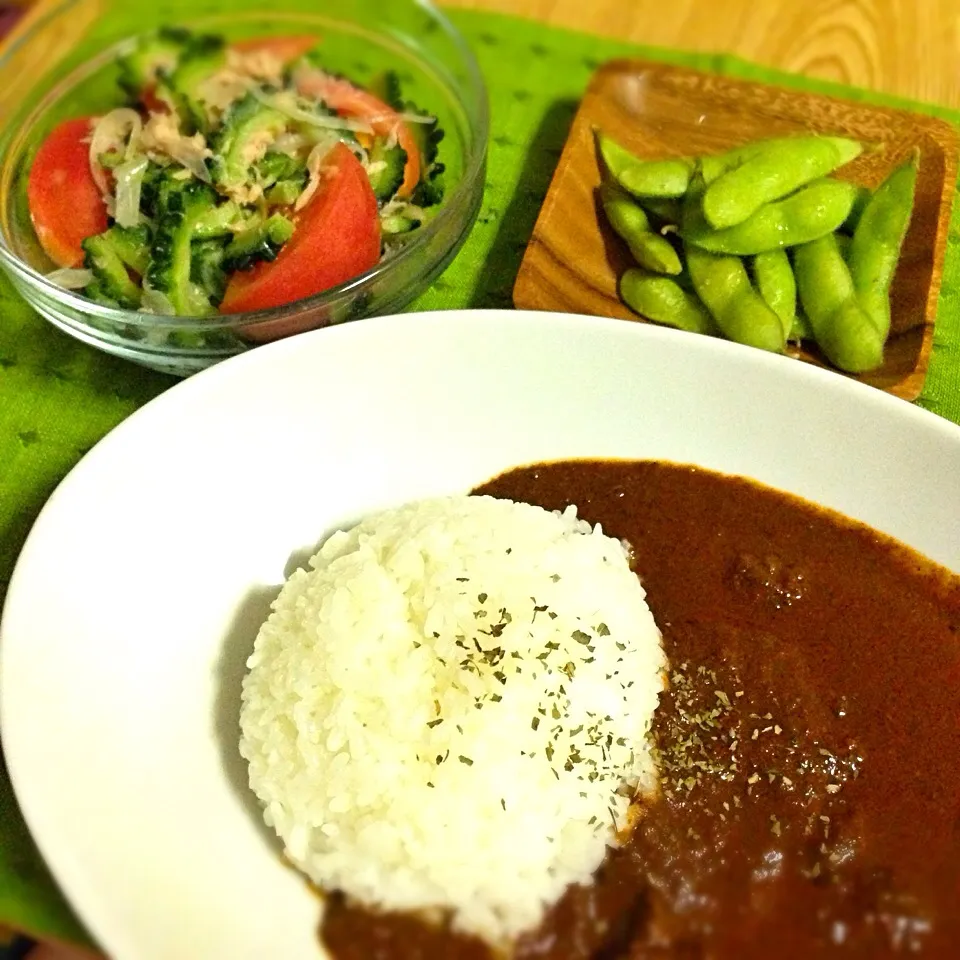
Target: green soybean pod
[[715, 165], [664, 210], [630, 222], [844, 331], [801, 329], [644, 178], [624, 214], [724, 287], [878, 240], [723, 284], [773, 172], [856, 211], [811, 212], [656, 253], [773, 275], [662, 299]]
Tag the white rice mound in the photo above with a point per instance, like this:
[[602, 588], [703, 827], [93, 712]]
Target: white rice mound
[[450, 708]]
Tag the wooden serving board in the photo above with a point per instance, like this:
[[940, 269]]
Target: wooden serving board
[[573, 261]]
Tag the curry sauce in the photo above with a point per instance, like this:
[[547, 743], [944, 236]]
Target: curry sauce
[[808, 740]]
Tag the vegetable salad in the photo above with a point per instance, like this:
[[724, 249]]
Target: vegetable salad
[[238, 177]]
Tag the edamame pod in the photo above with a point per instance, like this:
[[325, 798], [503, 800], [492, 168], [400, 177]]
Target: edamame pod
[[644, 178], [715, 165], [722, 283], [856, 211], [843, 330], [724, 287], [663, 299], [776, 170], [624, 214], [811, 212], [801, 329], [664, 210], [630, 222], [878, 239], [774, 278], [656, 253], [823, 279]]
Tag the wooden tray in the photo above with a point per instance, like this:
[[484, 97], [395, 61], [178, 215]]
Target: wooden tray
[[573, 260]]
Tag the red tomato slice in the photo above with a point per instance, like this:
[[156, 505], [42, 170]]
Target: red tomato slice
[[337, 237], [350, 101], [65, 204], [285, 49]]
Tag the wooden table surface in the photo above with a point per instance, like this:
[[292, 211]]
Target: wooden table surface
[[905, 47]]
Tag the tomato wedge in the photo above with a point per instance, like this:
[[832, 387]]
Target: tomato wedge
[[350, 101], [65, 204], [337, 237], [285, 49]]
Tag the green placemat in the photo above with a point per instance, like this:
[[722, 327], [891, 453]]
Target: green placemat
[[58, 397]]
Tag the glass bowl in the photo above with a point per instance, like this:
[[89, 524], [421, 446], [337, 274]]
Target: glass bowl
[[78, 42]]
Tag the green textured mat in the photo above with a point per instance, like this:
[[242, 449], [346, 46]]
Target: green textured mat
[[58, 397]]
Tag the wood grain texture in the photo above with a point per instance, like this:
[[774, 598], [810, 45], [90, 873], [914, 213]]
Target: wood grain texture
[[55, 39], [574, 260], [903, 47]]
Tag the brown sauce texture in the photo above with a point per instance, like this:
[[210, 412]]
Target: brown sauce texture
[[809, 740]]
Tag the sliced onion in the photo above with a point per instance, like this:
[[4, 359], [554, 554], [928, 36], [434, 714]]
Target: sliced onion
[[153, 301], [285, 106], [417, 118], [70, 278], [129, 181], [405, 117], [404, 208], [188, 158], [119, 130], [315, 168]]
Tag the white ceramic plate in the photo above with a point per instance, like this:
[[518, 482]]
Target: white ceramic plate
[[143, 583]]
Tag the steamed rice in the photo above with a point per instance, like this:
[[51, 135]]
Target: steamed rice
[[450, 709]]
